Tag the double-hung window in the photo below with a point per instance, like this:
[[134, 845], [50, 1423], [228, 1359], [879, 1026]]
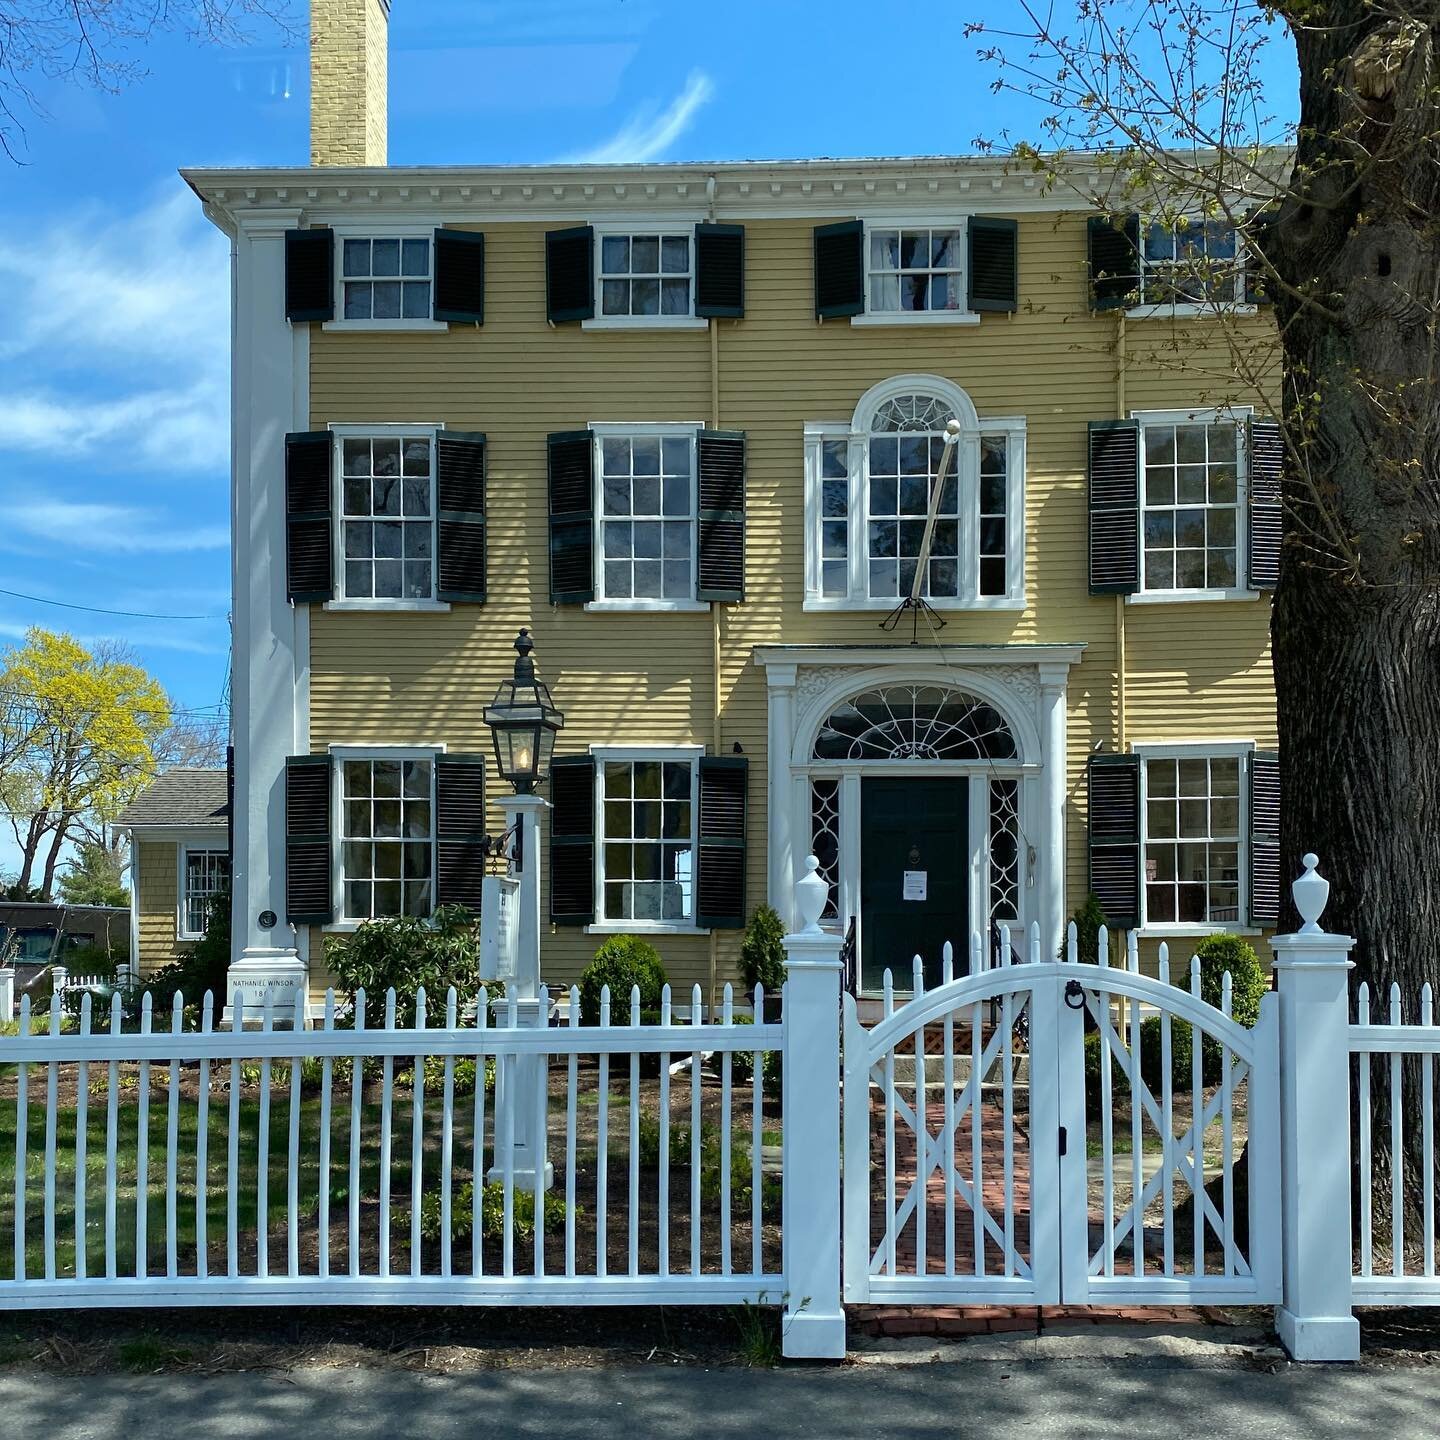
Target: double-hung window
[[386, 278], [1190, 262], [644, 276], [386, 534], [387, 834], [871, 486], [204, 874], [647, 837], [915, 270], [1193, 834]]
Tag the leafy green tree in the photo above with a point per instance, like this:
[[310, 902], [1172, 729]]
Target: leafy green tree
[[95, 875]]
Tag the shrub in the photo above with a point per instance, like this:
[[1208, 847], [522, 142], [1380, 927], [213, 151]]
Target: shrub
[[94, 960], [203, 968], [1219, 953], [742, 1063], [406, 953], [762, 955], [492, 1212], [1151, 1056], [1088, 920], [681, 1149], [622, 962], [464, 1075]]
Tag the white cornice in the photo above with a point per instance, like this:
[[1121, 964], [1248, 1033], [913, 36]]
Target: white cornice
[[862, 656]]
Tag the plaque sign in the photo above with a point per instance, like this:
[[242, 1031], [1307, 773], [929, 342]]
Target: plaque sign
[[499, 927]]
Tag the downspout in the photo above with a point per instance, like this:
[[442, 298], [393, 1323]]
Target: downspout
[[714, 329], [1120, 702]]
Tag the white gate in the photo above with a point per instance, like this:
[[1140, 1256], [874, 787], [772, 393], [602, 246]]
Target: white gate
[[995, 1155]]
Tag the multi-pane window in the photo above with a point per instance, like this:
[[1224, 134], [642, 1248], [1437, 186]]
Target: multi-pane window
[[387, 850], [903, 471], [207, 874], [1192, 840], [1194, 262], [1191, 533], [834, 518], [1004, 850], [915, 270], [994, 511], [825, 839], [388, 521], [647, 508], [645, 275], [648, 841], [386, 279]]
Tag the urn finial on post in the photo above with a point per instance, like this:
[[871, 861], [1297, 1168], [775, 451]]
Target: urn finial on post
[[1312, 893], [811, 892]]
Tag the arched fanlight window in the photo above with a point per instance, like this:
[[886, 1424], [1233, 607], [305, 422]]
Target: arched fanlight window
[[915, 722]]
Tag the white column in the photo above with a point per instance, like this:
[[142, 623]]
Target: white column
[[1312, 968], [814, 1324], [267, 659], [1050, 902], [780, 739]]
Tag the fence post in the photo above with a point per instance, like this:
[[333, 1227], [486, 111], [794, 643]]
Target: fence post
[[7, 994], [814, 1326], [1316, 1320]]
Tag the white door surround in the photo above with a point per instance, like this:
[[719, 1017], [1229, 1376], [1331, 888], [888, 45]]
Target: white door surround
[[1024, 684]]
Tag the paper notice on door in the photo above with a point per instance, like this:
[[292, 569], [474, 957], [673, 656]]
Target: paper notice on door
[[916, 882]]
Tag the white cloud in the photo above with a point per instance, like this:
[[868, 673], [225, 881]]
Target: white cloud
[[157, 638], [646, 135], [117, 529]]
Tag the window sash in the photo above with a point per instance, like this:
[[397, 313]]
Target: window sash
[[371, 823], [638, 280], [370, 280], [620, 820], [1169, 514], [1171, 277], [204, 873], [358, 538], [669, 523], [877, 273]]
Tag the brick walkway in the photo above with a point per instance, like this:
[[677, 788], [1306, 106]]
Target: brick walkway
[[958, 1320]]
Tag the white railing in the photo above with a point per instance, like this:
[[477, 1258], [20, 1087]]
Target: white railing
[[331, 1165], [1393, 1068]]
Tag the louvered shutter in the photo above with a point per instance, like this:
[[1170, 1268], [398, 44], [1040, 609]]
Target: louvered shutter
[[1265, 451], [839, 269], [720, 893], [459, 830], [1263, 769], [230, 804], [460, 277], [570, 467], [460, 518], [309, 275], [570, 274], [307, 840], [309, 498], [1114, 253], [720, 270], [1114, 499], [994, 263], [720, 522], [572, 840], [1114, 836]]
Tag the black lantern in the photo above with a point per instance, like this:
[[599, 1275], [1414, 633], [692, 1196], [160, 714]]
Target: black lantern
[[524, 721]]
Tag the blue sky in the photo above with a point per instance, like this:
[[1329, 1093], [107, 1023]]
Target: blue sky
[[113, 291]]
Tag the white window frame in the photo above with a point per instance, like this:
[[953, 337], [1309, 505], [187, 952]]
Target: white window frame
[[619, 429], [341, 433], [381, 230], [1201, 415], [186, 848], [338, 755], [856, 433], [659, 754], [1190, 309], [964, 316], [644, 225], [1197, 750]]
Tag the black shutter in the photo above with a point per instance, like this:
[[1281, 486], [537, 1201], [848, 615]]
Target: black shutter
[[460, 276], [1114, 833], [307, 840], [1114, 488], [1264, 777], [460, 528], [230, 804], [571, 461], [572, 840], [570, 274], [309, 275], [720, 523], [720, 270], [720, 891], [1265, 452], [839, 269], [993, 263], [309, 497], [459, 830], [1114, 250]]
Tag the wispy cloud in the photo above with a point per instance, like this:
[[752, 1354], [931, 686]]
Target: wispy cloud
[[117, 529], [648, 135], [156, 638]]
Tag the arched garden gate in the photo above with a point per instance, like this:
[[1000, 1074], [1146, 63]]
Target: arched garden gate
[[993, 1156]]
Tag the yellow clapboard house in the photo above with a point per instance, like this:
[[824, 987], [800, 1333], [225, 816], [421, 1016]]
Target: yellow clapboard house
[[682, 423]]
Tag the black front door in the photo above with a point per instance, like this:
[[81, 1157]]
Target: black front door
[[914, 876]]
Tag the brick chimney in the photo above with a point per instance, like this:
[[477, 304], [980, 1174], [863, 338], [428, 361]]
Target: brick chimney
[[349, 81]]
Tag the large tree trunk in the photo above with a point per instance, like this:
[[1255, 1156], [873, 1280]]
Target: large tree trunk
[[1355, 625]]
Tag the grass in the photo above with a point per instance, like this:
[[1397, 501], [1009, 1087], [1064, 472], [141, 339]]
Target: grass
[[144, 1356], [758, 1331]]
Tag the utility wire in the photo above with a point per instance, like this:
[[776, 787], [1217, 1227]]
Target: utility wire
[[98, 610]]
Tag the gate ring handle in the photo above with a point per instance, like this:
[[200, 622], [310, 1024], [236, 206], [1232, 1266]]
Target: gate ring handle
[[1074, 995]]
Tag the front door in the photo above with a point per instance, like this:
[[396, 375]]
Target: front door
[[914, 876]]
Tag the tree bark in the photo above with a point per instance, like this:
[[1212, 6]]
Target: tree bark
[[1356, 619]]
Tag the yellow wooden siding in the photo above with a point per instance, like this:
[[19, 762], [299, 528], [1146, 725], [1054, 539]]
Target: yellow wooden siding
[[159, 862], [1193, 670]]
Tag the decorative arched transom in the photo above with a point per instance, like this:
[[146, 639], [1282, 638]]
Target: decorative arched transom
[[915, 722], [910, 404]]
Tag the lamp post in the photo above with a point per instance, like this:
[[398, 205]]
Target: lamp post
[[524, 721]]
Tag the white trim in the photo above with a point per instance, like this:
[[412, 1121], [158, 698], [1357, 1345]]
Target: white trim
[[381, 607], [350, 751], [647, 322], [1190, 597], [917, 317], [382, 230], [646, 752], [672, 607], [1228, 309], [388, 327], [183, 851], [641, 927], [925, 220], [661, 225]]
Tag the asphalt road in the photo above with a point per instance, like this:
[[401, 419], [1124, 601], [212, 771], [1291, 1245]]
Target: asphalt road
[[1129, 1398]]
